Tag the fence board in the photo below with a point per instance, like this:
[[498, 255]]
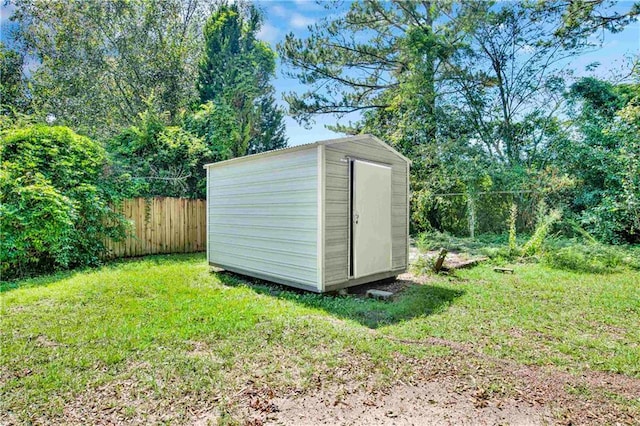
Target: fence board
[[161, 225]]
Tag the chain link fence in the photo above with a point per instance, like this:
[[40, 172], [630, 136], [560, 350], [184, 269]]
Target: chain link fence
[[469, 214]]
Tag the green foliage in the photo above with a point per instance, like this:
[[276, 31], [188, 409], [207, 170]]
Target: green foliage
[[471, 93], [604, 156], [545, 221], [99, 60], [233, 58], [55, 201], [579, 254], [381, 59], [591, 258], [239, 115], [16, 120], [424, 265], [216, 124], [584, 16], [13, 93], [493, 246], [160, 160]]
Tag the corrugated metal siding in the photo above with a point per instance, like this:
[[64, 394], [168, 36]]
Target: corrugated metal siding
[[337, 205], [263, 216]]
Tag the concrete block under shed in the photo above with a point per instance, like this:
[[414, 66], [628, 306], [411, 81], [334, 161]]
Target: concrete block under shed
[[379, 294]]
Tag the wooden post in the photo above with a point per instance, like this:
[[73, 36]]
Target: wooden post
[[471, 212], [438, 266]]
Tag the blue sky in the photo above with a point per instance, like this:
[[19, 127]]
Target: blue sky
[[281, 18], [284, 16]]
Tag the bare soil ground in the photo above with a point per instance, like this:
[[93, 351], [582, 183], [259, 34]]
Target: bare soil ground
[[437, 402], [463, 388], [453, 260], [459, 390]]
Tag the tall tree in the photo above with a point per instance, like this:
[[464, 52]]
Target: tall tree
[[13, 96], [380, 59], [235, 78], [99, 61], [511, 79], [501, 65], [603, 153], [386, 61], [470, 91], [586, 17], [358, 61]]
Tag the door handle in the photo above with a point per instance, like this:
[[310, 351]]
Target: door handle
[[356, 216]]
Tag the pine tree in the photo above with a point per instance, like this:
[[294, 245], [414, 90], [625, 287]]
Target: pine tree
[[235, 76]]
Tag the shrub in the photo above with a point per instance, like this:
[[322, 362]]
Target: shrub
[[545, 222], [55, 201], [592, 258], [424, 265], [162, 160]]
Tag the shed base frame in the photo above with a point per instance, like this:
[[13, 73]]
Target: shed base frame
[[364, 280], [265, 277], [329, 288]]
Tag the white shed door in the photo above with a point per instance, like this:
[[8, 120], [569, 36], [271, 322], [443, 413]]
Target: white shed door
[[371, 218]]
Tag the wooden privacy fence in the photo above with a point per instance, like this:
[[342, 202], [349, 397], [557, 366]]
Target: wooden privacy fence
[[162, 225]]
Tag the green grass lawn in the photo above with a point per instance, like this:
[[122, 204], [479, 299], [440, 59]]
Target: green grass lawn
[[164, 335]]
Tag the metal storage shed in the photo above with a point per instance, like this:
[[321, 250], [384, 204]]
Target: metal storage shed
[[320, 216]]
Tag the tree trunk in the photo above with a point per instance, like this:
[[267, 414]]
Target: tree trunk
[[430, 79]]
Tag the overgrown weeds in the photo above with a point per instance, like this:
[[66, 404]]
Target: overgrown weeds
[[556, 243], [554, 251], [545, 222], [571, 255]]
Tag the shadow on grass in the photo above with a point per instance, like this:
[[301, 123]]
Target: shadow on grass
[[38, 281], [412, 299], [55, 276]]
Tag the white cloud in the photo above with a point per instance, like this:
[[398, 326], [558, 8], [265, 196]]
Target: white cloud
[[30, 65], [300, 21], [6, 10], [268, 33], [278, 10], [307, 4]]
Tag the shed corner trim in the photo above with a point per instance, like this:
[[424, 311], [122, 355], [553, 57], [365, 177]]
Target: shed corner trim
[[320, 217]]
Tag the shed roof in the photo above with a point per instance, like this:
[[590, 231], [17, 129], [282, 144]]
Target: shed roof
[[310, 145]]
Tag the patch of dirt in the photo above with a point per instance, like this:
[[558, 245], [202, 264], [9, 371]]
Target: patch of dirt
[[574, 399], [127, 401], [436, 402], [464, 388], [394, 286], [455, 260], [202, 350], [44, 341], [455, 390]]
